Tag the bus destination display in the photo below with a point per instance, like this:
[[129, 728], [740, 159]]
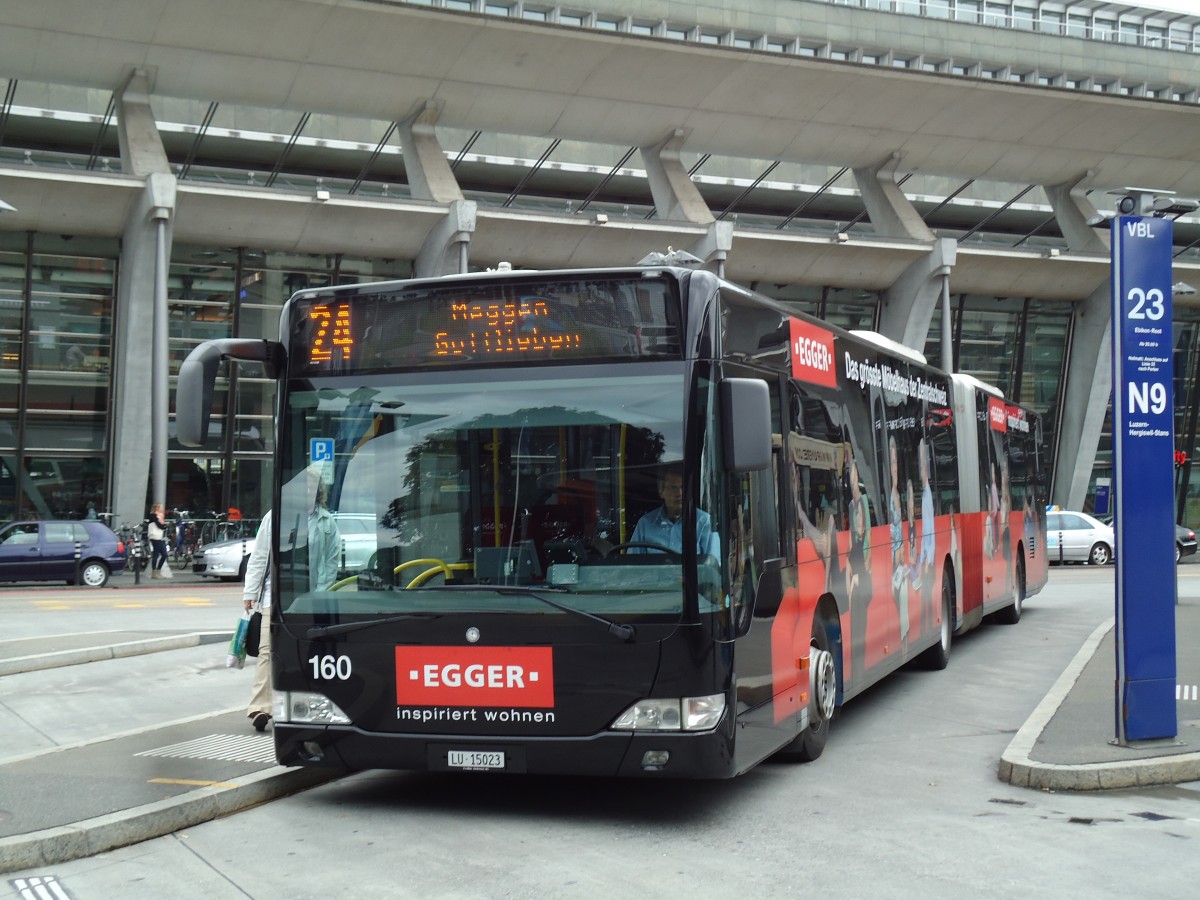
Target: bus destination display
[[561, 322]]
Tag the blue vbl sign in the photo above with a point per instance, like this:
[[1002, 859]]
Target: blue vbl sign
[[1144, 482]]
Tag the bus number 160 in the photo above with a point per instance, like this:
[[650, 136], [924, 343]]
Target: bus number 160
[[329, 668]]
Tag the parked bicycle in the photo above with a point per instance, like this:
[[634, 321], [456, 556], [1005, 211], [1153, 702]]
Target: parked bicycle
[[137, 546], [184, 539]]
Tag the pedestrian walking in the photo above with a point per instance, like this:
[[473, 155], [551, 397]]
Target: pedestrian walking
[[256, 594], [156, 533]]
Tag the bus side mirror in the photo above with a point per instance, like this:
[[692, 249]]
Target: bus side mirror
[[746, 424], [198, 375]]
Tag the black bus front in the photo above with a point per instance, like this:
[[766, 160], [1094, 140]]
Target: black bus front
[[462, 582]]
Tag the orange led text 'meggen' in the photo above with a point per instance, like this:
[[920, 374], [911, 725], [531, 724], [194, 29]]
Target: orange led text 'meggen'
[[501, 328]]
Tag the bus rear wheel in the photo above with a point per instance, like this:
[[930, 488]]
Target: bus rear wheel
[[938, 656], [1011, 615]]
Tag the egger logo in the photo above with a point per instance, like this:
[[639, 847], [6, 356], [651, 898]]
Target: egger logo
[[475, 676], [997, 414], [812, 354]]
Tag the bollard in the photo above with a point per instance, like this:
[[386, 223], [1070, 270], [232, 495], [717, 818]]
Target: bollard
[[1060, 549], [136, 552], [78, 557]]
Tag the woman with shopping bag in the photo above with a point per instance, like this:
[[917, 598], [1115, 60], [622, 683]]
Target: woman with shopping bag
[[256, 597]]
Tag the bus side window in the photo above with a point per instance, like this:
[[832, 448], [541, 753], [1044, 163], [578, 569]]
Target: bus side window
[[814, 461]]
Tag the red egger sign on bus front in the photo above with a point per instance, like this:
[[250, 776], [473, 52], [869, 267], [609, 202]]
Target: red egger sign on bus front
[[475, 684]]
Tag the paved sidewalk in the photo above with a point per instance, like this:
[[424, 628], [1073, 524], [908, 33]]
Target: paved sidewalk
[[76, 801], [1069, 742]]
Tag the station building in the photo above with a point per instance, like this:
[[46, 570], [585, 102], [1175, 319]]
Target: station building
[[874, 162]]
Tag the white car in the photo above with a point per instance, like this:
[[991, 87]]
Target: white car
[[359, 541], [226, 560], [1078, 537]]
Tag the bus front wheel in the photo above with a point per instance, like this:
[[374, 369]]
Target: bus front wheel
[[822, 699]]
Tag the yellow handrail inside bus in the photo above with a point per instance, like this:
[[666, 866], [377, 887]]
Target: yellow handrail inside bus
[[621, 486], [435, 566], [496, 482], [445, 568]]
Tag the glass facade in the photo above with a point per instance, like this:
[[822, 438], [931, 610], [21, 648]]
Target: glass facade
[[56, 307], [57, 358]]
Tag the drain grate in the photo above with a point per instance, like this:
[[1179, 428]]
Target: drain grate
[[40, 887], [259, 748]]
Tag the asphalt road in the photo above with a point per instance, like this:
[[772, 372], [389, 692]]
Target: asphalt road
[[904, 803]]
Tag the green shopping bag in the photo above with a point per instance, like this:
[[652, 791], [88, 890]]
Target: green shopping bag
[[236, 657]]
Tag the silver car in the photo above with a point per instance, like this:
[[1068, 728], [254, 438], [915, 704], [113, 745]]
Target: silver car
[[226, 560], [1078, 537]]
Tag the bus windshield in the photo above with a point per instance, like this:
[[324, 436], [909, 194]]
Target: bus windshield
[[463, 491]]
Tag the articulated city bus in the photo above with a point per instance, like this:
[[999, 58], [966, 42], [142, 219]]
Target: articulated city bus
[[634, 521]]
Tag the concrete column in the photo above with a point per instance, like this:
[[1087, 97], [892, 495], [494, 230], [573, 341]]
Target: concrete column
[[1085, 398], [444, 251], [891, 213], [714, 247], [910, 304], [429, 175], [134, 335], [675, 195], [1086, 395], [141, 287]]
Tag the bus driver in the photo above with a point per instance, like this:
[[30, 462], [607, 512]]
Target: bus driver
[[663, 527]]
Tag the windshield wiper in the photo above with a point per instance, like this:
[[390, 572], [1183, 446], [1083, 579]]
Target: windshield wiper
[[616, 629], [345, 627]]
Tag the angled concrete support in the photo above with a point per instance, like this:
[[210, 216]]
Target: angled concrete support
[[714, 247], [429, 175], [675, 196], [1072, 210], [142, 151], [891, 213], [1085, 398], [444, 251], [910, 304]]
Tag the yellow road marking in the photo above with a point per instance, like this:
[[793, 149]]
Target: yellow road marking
[[192, 783]]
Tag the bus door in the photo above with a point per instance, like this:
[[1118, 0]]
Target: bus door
[[759, 572]]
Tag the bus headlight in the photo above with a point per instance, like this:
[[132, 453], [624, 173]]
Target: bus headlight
[[307, 708], [672, 714]]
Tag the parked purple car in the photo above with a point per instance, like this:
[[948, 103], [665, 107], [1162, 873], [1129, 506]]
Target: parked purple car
[[45, 551]]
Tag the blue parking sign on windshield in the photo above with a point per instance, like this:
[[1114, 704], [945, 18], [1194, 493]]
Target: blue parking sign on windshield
[[320, 450]]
